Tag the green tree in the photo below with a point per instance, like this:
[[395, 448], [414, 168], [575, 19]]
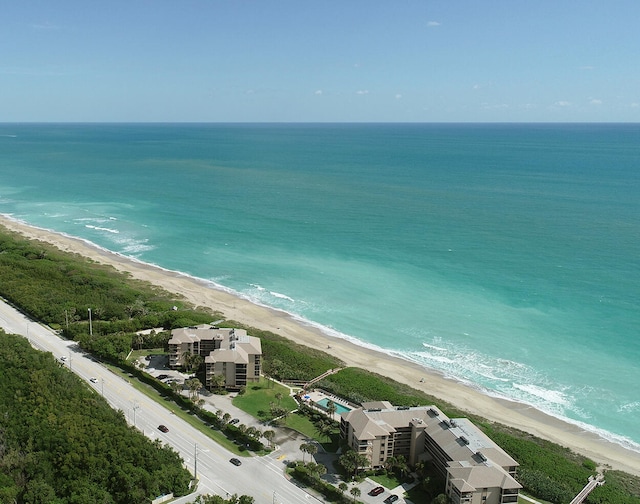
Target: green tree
[[352, 462], [269, 435], [355, 492]]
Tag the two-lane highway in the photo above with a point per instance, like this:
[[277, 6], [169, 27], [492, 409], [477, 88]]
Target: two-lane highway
[[259, 477]]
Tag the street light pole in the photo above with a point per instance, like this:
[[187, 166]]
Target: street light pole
[[195, 462], [90, 325], [135, 407]]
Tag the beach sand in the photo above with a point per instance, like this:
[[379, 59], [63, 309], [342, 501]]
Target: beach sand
[[513, 414]]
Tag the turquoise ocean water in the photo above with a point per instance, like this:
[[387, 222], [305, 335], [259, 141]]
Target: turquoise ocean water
[[506, 256]]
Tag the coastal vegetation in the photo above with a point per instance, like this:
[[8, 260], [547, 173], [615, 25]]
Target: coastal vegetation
[[62, 443], [102, 310]]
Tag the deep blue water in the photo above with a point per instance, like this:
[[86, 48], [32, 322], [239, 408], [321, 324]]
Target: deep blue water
[[507, 256]]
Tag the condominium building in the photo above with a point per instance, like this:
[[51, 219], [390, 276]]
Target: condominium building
[[477, 471], [226, 352]]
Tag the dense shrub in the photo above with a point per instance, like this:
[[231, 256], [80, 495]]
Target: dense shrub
[[61, 442]]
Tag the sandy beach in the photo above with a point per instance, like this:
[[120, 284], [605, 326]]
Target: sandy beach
[[201, 294]]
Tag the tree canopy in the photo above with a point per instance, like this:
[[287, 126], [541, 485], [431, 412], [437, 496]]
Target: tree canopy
[[60, 442]]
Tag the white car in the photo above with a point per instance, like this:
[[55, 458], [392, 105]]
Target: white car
[[93, 379], [63, 358]]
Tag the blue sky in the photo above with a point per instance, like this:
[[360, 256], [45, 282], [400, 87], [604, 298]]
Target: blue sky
[[323, 60]]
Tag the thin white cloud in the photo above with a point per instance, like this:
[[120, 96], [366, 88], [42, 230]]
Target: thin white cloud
[[635, 105], [433, 23], [587, 67], [362, 91], [595, 101], [398, 96], [45, 26], [318, 92], [562, 103]]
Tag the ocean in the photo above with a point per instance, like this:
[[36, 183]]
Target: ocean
[[506, 256]]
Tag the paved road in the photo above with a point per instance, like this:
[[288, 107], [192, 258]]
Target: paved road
[[260, 477]]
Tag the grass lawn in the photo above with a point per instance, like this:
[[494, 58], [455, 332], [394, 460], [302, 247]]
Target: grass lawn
[[385, 480], [258, 397], [136, 354]]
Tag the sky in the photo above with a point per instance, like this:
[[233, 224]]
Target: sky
[[320, 61]]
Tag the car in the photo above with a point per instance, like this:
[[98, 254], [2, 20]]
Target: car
[[93, 379], [376, 491], [162, 376], [63, 358], [163, 428], [391, 499], [235, 421], [235, 462]]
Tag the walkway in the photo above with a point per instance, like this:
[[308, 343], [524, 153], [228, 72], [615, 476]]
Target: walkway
[[593, 482]]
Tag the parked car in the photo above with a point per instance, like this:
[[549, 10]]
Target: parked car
[[391, 499], [376, 491], [93, 379], [163, 428], [162, 376], [235, 462], [235, 421]]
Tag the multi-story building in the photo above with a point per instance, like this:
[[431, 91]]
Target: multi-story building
[[477, 471], [226, 352]]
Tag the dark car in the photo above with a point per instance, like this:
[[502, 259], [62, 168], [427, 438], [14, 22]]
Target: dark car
[[163, 428], [162, 376], [376, 491], [234, 421], [391, 499], [235, 462]]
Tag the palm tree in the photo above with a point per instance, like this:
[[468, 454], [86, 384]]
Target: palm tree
[[303, 449], [316, 470], [278, 397], [185, 357], [325, 429], [331, 408], [269, 435], [355, 491], [195, 362], [343, 487], [312, 449], [138, 340], [218, 381], [352, 461], [194, 386]]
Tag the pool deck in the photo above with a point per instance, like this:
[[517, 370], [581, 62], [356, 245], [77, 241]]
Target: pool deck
[[315, 396]]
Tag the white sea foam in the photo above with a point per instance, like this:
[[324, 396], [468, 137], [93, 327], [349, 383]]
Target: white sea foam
[[631, 407], [548, 395], [433, 347], [98, 228], [281, 296]]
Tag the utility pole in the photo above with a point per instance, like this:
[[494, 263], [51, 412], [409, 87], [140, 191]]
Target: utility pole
[[90, 326]]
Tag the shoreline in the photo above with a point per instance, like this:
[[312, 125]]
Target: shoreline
[[202, 293]]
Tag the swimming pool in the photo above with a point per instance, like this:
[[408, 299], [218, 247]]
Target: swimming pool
[[339, 407]]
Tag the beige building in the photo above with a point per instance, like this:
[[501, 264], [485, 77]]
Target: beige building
[[477, 471], [227, 352]]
